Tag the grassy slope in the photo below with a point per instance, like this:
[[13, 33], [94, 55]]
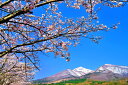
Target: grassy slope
[[90, 82], [76, 81]]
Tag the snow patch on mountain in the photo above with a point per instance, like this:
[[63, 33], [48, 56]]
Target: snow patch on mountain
[[113, 68], [80, 71]]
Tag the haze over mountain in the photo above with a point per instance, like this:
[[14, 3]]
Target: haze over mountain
[[105, 72]]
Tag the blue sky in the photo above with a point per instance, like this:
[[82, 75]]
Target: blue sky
[[112, 49]]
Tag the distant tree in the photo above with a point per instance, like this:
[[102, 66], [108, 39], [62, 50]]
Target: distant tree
[[24, 34]]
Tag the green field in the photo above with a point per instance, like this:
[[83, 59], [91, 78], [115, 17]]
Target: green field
[[90, 82], [76, 81]]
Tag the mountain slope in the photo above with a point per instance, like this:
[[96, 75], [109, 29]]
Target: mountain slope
[[65, 75], [61, 75], [109, 72], [80, 71], [113, 68], [106, 72]]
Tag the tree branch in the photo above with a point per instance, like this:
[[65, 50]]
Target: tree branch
[[38, 5], [14, 14], [37, 41], [29, 51], [25, 44], [23, 11], [5, 3]]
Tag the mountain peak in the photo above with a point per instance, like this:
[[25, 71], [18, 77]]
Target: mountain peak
[[82, 71], [108, 64], [113, 68], [80, 68], [115, 65]]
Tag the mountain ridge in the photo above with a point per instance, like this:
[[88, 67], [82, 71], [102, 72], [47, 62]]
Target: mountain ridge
[[104, 72]]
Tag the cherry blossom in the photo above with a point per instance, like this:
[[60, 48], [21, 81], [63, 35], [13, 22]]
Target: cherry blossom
[[24, 34]]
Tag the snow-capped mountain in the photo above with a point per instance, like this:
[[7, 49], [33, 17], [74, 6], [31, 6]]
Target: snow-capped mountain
[[109, 72], [105, 72], [77, 72], [80, 71], [67, 75], [113, 68]]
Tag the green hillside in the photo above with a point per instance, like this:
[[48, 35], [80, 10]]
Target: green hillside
[[75, 81], [90, 82]]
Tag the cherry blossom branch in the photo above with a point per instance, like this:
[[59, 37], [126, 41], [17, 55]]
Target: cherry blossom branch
[[23, 11], [25, 44], [14, 14], [34, 42], [5, 3], [23, 23], [10, 30], [38, 5], [18, 51]]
